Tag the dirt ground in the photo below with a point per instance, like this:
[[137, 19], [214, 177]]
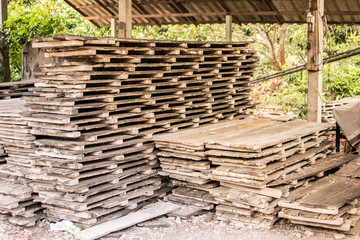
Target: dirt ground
[[196, 228]]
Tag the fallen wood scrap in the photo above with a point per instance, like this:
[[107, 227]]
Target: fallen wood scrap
[[150, 212]]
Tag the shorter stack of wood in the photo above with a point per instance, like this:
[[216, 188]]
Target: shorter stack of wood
[[256, 165], [9, 90], [189, 169], [256, 161], [329, 204], [17, 198], [327, 108]]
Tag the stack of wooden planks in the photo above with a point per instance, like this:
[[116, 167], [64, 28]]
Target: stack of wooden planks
[[172, 84], [256, 161], [16, 197], [10, 90], [259, 166], [329, 204], [94, 113]]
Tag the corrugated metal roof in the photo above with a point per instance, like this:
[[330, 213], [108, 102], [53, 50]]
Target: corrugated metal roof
[[158, 12]]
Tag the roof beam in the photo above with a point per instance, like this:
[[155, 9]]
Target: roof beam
[[104, 7], [266, 13], [143, 11], [227, 10], [179, 7], [199, 14], [271, 9], [79, 10]]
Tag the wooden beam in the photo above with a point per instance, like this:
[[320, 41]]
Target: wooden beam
[[80, 11], [228, 22], [166, 15], [125, 19], [3, 13], [269, 4], [4, 56], [143, 11], [222, 13], [113, 27], [105, 7], [150, 212], [180, 8], [315, 58]]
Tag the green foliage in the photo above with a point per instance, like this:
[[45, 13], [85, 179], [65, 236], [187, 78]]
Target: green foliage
[[340, 79], [45, 18], [203, 32]]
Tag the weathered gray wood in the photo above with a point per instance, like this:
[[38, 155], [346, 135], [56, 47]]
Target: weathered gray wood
[[148, 213]]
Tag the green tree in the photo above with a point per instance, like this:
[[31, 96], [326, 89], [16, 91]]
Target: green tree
[[35, 19]]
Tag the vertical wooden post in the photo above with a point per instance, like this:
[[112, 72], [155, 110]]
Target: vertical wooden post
[[228, 21], [113, 27], [125, 19], [3, 13], [314, 58], [4, 56]]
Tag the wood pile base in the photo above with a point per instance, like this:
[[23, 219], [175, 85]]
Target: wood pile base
[[257, 162]]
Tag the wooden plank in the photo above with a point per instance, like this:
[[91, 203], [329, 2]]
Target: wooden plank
[[148, 213]]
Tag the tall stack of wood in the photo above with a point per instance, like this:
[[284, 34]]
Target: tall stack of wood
[[256, 161], [16, 196], [95, 110], [330, 203]]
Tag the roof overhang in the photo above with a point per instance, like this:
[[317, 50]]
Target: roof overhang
[[163, 12]]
